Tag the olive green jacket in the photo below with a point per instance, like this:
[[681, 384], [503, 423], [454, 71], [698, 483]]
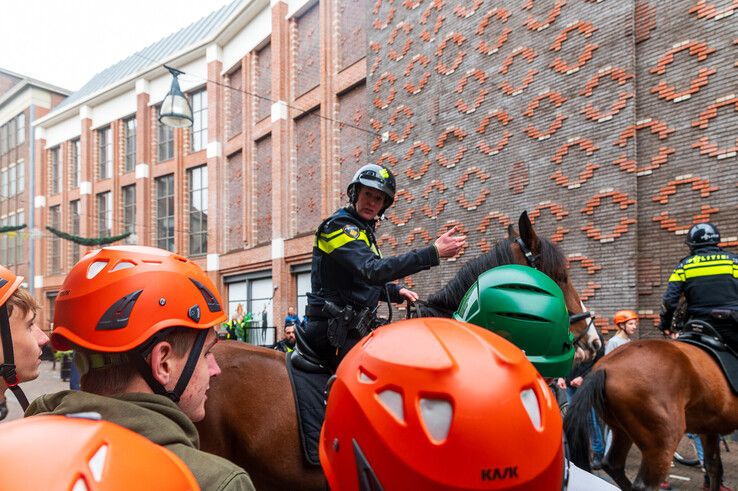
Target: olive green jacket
[[158, 419]]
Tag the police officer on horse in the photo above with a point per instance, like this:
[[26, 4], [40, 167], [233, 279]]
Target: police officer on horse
[[349, 275], [708, 278]]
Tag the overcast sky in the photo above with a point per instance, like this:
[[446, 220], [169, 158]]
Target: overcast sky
[[66, 42]]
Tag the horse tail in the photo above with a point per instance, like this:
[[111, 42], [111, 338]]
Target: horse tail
[[578, 417]]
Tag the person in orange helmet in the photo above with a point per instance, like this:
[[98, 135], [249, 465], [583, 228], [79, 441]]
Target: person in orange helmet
[[627, 323], [465, 409], [87, 454], [22, 340], [141, 320]]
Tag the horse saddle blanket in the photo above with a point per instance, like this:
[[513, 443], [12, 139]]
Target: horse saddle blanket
[[726, 359], [309, 390]]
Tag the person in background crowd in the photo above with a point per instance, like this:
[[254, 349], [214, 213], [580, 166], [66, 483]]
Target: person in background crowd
[[626, 322], [291, 317], [288, 343]]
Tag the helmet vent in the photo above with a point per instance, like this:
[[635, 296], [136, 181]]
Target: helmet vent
[[437, 415], [122, 265], [365, 377], [97, 462], [522, 316], [530, 288], [95, 268], [210, 299], [392, 400], [530, 403], [80, 485], [116, 317]]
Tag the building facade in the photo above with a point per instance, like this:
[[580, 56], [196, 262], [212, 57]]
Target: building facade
[[614, 128], [22, 101]]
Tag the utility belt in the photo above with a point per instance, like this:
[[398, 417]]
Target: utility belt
[[725, 315], [343, 321]]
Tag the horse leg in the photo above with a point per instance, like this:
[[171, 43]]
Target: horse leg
[[614, 462], [657, 442], [713, 462]]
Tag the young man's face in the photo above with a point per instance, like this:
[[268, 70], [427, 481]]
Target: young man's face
[[630, 327], [28, 340], [193, 399]]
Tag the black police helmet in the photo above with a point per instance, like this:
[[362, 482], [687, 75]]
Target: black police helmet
[[703, 234], [376, 177]]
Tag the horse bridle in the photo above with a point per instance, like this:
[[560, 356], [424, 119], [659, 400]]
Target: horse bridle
[[532, 260]]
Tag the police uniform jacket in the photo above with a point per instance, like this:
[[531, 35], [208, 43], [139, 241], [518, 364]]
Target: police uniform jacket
[[709, 280], [348, 268]]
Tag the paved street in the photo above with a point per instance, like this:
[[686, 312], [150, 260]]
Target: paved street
[[48, 381]]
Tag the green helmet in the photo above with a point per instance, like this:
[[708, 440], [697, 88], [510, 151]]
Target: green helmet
[[527, 308]]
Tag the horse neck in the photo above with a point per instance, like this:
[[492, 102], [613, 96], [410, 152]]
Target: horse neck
[[448, 298]]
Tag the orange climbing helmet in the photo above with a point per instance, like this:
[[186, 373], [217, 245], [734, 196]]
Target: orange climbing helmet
[[623, 316], [87, 455], [462, 409], [116, 298], [9, 283]]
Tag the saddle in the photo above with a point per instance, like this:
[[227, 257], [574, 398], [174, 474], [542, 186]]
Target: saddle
[[701, 334], [309, 379]]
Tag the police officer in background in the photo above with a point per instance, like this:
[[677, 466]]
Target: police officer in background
[[708, 277], [349, 275]]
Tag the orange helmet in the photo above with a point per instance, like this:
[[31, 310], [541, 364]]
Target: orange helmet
[[440, 404], [9, 283], [87, 455], [623, 316], [116, 298]]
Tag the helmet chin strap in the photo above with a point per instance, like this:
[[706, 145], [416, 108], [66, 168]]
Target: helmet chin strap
[[7, 368], [144, 368]]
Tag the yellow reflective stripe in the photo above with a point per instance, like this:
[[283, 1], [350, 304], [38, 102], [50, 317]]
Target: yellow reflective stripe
[[709, 271], [339, 240], [677, 275], [332, 234], [708, 263]]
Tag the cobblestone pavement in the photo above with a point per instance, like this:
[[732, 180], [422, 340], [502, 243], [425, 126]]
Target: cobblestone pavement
[[48, 381]]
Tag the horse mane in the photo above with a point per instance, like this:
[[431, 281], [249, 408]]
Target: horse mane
[[551, 261]]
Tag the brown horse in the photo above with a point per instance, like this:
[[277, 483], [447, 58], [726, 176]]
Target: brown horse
[[250, 413], [650, 392]]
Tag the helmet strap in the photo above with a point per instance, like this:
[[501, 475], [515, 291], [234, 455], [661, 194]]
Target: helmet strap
[[7, 368], [144, 368]]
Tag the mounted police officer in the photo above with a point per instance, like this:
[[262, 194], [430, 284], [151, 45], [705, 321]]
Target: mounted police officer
[[708, 278], [349, 275]]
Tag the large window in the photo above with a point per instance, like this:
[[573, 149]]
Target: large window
[[198, 210], [130, 161], [129, 208], [165, 139], [20, 176], [74, 249], [165, 212], [54, 241], [105, 153], [13, 183], [17, 238], [200, 123], [74, 165], [3, 139], [104, 214], [255, 298], [55, 173], [12, 128], [4, 183], [302, 277]]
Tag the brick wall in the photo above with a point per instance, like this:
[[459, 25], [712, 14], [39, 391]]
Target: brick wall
[[612, 123]]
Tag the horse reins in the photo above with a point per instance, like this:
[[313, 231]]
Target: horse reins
[[529, 256]]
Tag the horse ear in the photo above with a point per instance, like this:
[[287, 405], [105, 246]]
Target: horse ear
[[511, 233], [527, 233]]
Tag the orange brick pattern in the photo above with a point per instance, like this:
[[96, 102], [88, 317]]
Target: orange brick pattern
[[614, 143]]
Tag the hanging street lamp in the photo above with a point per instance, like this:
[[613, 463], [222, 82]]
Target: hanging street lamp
[[175, 111]]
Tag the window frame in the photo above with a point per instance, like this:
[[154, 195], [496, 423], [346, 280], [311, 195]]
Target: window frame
[[197, 235], [105, 153], [165, 204], [199, 130], [129, 157]]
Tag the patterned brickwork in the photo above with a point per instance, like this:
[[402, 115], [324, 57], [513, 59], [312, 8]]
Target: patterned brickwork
[[234, 104], [615, 136], [306, 171], [234, 202], [263, 191]]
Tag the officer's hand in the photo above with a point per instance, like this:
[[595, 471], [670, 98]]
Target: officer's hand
[[448, 245], [408, 295]]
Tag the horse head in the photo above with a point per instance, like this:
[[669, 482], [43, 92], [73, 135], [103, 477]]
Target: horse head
[[528, 249]]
